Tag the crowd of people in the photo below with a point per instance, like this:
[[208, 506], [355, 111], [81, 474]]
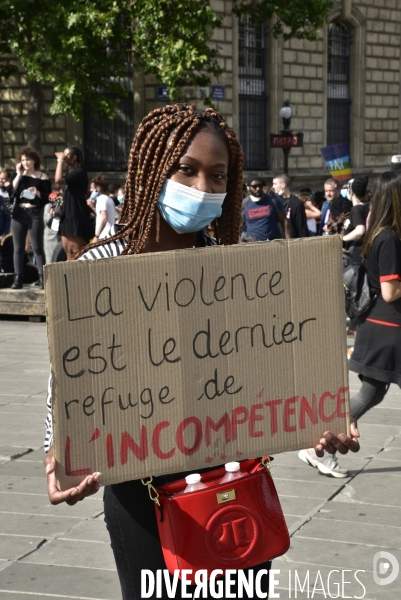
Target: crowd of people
[[40, 228], [180, 152], [51, 222]]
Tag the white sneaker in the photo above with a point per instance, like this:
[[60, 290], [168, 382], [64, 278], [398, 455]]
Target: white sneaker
[[306, 457], [327, 465]]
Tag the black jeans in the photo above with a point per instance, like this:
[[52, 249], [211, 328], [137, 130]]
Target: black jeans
[[28, 219], [131, 521], [371, 393]]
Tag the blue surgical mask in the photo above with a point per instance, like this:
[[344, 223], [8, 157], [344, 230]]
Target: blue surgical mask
[[120, 198], [186, 209], [94, 195], [344, 193]]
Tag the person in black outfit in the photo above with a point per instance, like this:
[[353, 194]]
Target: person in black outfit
[[33, 189], [293, 206], [377, 357], [74, 224], [356, 227]]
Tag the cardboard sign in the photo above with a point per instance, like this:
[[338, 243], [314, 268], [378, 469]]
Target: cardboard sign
[[175, 361]]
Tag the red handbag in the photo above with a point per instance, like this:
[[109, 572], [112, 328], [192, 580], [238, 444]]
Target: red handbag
[[235, 525]]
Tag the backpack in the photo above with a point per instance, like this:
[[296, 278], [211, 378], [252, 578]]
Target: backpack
[[358, 297]]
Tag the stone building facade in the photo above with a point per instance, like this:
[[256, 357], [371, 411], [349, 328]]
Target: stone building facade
[[343, 87]]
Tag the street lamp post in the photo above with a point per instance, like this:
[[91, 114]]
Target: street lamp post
[[286, 139], [286, 114]]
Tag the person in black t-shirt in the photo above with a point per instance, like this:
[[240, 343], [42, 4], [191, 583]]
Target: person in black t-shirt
[[377, 357], [32, 187], [355, 228], [74, 225], [294, 207]]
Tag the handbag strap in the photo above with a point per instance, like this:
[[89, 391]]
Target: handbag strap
[[153, 493], [265, 461]]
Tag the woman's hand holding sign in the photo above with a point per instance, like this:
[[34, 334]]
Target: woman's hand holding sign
[[341, 443], [87, 487]]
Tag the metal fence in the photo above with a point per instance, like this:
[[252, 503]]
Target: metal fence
[[252, 94], [338, 89]]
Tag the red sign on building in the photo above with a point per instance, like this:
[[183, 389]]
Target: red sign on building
[[286, 140]]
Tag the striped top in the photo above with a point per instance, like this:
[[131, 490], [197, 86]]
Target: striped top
[[107, 250]]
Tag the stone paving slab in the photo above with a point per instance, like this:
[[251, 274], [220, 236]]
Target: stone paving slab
[[380, 466], [298, 506], [34, 456], [12, 452], [29, 434], [27, 408], [392, 452], [52, 581], [383, 417], [13, 547], [27, 400], [35, 504], [385, 536], [323, 488], [23, 468], [357, 514], [302, 473], [74, 553], [90, 530], [372, 488], [29, 485], [37, 525]]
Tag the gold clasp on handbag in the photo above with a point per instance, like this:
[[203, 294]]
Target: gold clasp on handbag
[[266, 462], [153, 493], [226, 496]]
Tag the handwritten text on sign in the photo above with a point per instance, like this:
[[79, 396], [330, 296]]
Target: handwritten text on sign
[[173, 361]]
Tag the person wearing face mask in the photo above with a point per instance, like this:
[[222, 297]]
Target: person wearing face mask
[[194, 178], [263, 215]]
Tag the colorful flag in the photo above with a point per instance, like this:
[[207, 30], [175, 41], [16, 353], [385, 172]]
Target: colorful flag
[[337, 161]]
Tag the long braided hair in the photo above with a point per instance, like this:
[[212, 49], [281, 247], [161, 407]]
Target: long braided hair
[[158, 144]]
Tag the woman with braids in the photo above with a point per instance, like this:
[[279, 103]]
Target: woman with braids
[[75, 221], [377, 357], [179, 156]]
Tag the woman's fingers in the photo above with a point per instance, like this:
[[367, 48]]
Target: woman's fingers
[[87, 487], [341, 443], [90, 485]]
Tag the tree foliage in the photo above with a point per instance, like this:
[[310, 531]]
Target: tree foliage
[[81, 47], [293, 18]]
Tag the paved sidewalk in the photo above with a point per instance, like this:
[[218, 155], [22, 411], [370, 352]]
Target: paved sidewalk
[[63, 552]]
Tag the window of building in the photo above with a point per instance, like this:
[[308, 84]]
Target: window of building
[[252, 94], [338, 85], [107, 142]]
